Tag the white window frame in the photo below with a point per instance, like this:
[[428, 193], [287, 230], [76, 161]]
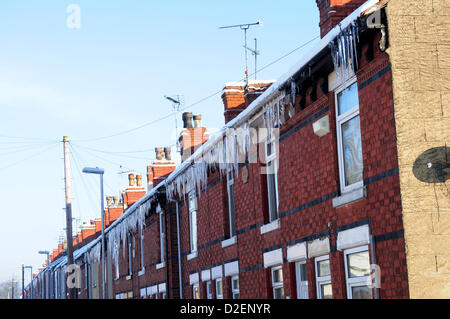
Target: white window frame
[[272, 159], [235, 290], [142, 251], [323, 280], [161, 236], [231, 204], [340, 120], [209, 294], [192, 213], [302, 283], [130, 271], [277, 285], [356, 281], [195, 286], [219, 296]]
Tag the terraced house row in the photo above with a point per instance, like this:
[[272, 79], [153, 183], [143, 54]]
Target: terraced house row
[[327, 183]]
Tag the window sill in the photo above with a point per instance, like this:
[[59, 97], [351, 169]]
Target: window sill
[[141, 272], [270, 227], [128, 277], [192, 255], [229, 242], [350, 197], [161, 265]]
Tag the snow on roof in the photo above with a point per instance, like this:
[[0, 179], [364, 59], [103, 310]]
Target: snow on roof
[[243, 116]]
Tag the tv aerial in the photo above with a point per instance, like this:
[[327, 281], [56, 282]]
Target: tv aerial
[[245, 27]]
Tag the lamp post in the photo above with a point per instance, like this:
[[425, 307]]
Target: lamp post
[[31, 279], [100, 171], [45, 252]]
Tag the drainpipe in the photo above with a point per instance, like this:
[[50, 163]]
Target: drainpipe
[[179, 247]]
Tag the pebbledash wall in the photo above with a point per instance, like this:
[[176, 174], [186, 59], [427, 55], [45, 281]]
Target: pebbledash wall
[[338, 209]]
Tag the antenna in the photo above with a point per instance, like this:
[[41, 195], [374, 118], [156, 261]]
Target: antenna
[[244, 27], [255, 52], [177, 102]]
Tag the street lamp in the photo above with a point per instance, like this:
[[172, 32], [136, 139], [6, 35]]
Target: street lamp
[[45, 252], [31, 280], [100, 171]]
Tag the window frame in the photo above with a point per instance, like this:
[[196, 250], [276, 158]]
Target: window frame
[[130, 259], [302, 283], [340, 121], [322, 280], [193, 211], [195, 286], [219, 296], [209, 294], [161, 237], [231, 207], [277, 285], [235, 290], [356, 281], [272, 159]]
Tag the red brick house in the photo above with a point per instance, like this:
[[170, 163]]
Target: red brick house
[[312, 209]]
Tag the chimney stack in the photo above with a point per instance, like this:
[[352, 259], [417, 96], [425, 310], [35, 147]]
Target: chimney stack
[[161, 168], [192, 137], [134, 191], [237, 96], [334, 11]]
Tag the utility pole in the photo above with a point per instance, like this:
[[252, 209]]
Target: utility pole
[[68, 210]]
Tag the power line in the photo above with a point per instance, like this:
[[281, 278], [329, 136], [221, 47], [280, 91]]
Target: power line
[[116, 153], [193, 104], [29, 157]]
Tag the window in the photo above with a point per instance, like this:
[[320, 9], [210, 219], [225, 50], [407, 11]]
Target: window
[[129, 256], [161, 235], [94, 265], [142, 249], [357, 273], [323, 278], [235, 287], [193, 221], [231, 212], [349, 138], [195, 291], [302, 280], [219, 289], [272, 180], [209, 294], [277, 283]]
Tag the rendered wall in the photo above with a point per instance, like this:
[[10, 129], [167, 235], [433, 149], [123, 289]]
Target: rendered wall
[[419, 50]]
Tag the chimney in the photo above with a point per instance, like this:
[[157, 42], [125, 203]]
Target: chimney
[[134, 191], [192, 137], [114, 211], [334, 11], [236, 96], [161, 168]]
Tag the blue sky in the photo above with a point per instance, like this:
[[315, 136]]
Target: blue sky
[[110, 76]]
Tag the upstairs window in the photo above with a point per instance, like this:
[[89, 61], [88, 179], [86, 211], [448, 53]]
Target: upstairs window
[[349, 137], [231, 211], [162, 235], [193, 221], [272, 180]]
